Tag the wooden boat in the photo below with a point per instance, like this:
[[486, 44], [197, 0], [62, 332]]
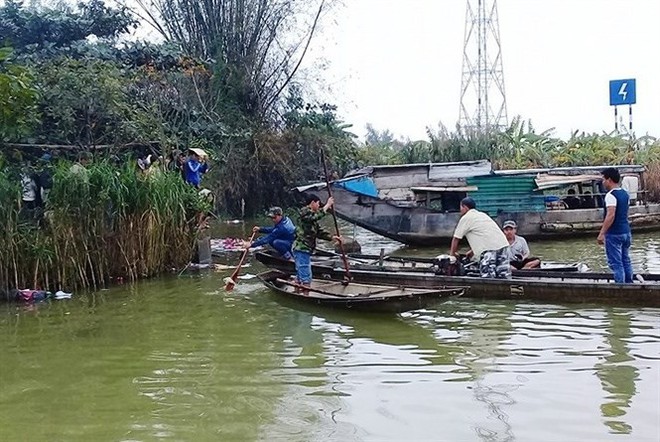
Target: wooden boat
[[424, 264], [562, 287], [419, 203], [358, 296], [326, 261]]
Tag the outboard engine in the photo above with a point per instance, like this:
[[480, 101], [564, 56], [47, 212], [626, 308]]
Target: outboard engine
[[447, 265]]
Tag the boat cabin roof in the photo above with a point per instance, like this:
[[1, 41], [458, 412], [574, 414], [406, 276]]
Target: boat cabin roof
[[477, 163], [445, 189], [322, 184], [547, 181], [573, 170]]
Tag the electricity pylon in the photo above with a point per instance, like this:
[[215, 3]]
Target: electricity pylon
[[483, 101]]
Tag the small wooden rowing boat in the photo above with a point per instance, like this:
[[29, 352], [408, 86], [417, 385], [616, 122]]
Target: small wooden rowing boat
[[358, 296]]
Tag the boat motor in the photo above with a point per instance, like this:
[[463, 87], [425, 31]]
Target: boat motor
[[447, 265]]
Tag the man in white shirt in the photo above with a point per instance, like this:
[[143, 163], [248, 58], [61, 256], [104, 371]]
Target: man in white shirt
[[489, 245], [518, 248]]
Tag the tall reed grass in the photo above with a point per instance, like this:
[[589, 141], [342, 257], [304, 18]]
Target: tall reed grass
[[102, 223]]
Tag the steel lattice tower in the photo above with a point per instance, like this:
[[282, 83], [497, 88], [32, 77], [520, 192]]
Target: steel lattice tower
[[483, 101]]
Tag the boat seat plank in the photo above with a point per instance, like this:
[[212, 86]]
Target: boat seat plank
[[309, 289]]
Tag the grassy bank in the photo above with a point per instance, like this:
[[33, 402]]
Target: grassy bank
[[99, 224]]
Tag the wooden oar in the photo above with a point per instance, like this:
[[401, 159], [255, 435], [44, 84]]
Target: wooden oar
[[334, 217], [231, 281]]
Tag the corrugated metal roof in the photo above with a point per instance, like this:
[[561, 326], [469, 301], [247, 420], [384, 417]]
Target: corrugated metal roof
[[545, 181], [368, 170], [459, 171], [573, 170], [506, 193], [445, 189]]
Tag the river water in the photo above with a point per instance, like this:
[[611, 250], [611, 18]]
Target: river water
[[179, 359]]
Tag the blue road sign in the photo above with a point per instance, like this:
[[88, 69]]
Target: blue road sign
[[622, 92]]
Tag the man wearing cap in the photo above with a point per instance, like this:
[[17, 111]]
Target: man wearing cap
[[280, 236], [518, 248], [489, 245], [307, 232]]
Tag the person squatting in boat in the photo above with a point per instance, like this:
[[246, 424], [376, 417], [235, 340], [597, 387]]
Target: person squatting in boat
[[487, 241], [280, 236], [308, 230], [518, 248]]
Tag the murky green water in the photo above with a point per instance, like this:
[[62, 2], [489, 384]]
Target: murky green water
[[180, 359]]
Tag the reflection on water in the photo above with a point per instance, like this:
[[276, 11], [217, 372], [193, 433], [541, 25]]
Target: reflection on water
[[616, 374], [180, 359]]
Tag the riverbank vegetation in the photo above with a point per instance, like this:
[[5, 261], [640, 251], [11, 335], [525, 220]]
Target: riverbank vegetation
[[225, 79], [99, 223]]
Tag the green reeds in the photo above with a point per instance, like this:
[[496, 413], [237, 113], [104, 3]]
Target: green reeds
[[100, 223]]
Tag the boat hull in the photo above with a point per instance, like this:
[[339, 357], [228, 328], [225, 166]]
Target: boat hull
[[420, 226], [560, 287], [393, 299]]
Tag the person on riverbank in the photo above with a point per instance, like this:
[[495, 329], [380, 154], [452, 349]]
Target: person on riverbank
[[615, 232], [79, 167], [280, 236], [308, 230], [29, 191], [518, 248], [195, 166], [44, 178], [487, 241], [176, 162]]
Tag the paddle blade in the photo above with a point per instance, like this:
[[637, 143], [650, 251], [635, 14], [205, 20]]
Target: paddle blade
[[229, 284]]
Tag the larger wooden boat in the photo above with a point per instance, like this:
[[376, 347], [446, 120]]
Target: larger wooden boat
[[358, 296], [391, 263], [419, 203], [562, 287]]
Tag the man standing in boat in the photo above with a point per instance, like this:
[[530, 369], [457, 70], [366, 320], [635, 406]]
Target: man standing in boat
[[615, 232], [518, 248], [308, 231], [489, 245], [280, 236]]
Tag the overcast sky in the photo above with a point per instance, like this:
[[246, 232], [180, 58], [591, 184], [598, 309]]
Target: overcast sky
[[397, 63]]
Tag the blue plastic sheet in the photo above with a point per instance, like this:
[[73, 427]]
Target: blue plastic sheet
[[362, 186]]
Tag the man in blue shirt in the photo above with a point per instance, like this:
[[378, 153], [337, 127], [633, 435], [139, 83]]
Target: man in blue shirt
[[615, 232], [280, 236], [195, 166]]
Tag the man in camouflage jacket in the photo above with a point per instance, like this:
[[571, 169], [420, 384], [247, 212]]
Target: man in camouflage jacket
[[308, 230]]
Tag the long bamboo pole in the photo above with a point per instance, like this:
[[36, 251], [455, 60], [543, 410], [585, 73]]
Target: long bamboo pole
[[334, 217]]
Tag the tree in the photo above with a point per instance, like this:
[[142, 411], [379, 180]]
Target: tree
[[17, 99], [375, 136], [256, 45], [84, 103], [30, 30]]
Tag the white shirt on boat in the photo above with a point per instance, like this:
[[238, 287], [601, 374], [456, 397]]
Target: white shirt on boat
[[519, 247], [481, 232]]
